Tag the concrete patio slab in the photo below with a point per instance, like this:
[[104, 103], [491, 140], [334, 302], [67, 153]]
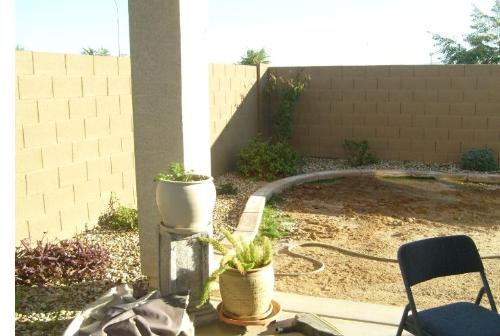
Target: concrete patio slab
[[351, 318]]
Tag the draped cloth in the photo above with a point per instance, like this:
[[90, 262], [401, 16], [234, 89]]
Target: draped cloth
[[119, 313]]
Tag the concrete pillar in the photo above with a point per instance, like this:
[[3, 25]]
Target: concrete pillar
[[170, 101], [185, 265]]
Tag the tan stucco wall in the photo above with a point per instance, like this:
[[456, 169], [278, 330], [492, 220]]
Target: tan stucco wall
[[429, 113], [74, 141]]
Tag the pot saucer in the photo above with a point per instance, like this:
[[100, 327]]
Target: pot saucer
[[274, 311]]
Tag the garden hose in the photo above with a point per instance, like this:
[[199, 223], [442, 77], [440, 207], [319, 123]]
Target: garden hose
[[320, 266]]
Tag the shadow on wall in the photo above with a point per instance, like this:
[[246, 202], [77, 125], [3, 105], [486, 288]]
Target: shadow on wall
[[234, 114]]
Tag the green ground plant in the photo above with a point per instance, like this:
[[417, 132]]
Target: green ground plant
[[227, 189], [325, 181], [242, 257], [358, 153], [409, 177], [118, 217], [482, 159], [265, 160], [273, 219]]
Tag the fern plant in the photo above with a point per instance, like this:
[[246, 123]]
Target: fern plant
[[242, 257]]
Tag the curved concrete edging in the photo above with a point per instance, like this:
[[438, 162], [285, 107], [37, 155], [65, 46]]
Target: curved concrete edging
[[250, 219]]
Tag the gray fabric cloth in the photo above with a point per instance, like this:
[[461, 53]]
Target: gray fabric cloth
[[119, 313]]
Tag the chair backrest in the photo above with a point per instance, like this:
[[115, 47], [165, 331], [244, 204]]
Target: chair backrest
[[431, 258]]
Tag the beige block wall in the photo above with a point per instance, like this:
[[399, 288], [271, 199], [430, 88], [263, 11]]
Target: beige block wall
[[234, 114], [74, 136], [430, 113], [74, 141], [74, 133]]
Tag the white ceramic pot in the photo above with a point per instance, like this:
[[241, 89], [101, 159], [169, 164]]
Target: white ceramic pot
[[186, 206], [247, 296]]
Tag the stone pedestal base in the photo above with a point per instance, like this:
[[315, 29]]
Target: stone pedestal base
[[184, 264]]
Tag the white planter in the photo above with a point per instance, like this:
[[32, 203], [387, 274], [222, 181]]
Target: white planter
[[186, 207]]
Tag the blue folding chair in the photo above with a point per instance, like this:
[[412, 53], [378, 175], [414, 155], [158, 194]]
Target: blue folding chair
[[427, 259]]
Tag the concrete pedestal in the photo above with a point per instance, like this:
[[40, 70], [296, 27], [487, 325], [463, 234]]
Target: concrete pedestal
[[185, 264]]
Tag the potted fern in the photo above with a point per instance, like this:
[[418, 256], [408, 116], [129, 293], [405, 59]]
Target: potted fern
[[185, 200], [246, 277]]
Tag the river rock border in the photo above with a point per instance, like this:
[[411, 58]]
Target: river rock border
[[250, 219]]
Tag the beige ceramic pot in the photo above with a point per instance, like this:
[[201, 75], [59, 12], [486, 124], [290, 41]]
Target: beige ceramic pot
[[186, 206], [247, 296]]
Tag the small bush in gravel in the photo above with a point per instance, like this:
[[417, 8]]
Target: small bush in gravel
[[118, 217], [358, 153], [227, 189], [480, 160], [268, 161], [272, 219], [66, 261]]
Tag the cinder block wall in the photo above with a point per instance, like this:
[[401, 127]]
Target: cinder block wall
[[430, 113], [234, 112], [74, 142]]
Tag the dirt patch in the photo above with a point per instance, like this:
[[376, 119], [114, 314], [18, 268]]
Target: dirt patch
[[375, 215]]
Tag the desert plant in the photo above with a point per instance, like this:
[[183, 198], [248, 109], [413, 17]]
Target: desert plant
[[95, 52], [265, 160], [242, 257], [273, 219], [227, 189], [118, 217], [255, 57], [177, 172], [358, 153], [480, 159], [68, 260]]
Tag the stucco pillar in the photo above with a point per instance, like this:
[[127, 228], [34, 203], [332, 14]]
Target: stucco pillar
[[170, 101]]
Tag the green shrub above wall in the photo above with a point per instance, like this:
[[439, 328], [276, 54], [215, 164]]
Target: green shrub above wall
[[266, 160], [480, 160]]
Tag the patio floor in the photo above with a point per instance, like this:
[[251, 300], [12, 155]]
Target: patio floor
[[351, 318]]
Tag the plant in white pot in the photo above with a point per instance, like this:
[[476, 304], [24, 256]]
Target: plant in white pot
[[185, 200], [246, 277]]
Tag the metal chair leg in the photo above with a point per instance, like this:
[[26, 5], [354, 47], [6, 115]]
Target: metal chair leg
[[403, 320]]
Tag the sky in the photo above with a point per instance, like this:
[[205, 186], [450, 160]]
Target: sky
[[293, 32]]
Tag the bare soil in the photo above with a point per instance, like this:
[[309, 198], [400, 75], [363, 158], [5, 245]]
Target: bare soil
[[375, 215]]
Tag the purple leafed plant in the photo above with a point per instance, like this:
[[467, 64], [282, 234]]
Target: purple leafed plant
[[66, 261]]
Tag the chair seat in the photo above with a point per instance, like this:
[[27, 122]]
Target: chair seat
[[458, 319]]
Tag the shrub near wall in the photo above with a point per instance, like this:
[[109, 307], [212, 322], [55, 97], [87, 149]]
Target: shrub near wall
[[74, 142]]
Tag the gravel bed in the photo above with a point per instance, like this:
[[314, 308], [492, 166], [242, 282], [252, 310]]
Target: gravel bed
[[228, 208], [48, 310], [317, 164]]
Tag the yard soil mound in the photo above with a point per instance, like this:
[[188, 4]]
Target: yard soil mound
[[375, 215]]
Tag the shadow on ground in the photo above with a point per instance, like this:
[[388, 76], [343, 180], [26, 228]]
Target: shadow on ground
[[49, 310]]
